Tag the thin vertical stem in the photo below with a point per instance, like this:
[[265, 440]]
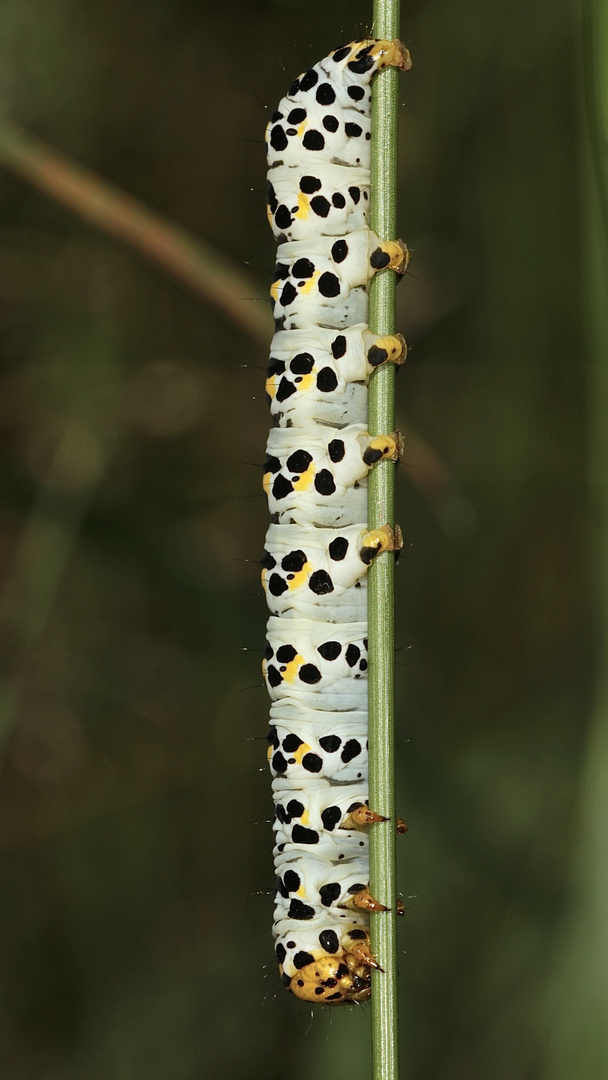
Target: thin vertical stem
[[385, 1037]]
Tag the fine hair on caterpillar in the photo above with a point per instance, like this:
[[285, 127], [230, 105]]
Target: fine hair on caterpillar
[[318, 547]]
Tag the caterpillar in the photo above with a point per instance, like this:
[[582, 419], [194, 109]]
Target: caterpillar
[[318, 547]]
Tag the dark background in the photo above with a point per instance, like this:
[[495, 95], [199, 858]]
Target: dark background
[[136, 855]]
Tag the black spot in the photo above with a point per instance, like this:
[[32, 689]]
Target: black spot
[[309, 184], [329, 893], [275, 367], [278, 763], [302, 268], [286, 979], [302, 364], [338, 346], [339, 251], [372, 455], [281, 271], [312, 763], [271, 197], [338, 200], [277, 585], [295, 808], [379, 259], [281, 952], [353, 130], [329, 284], [294, 562], [296, 116], [336, 450], [268, 561], [285, 654], [351, 750], [272, 464], [320, 206], [291, 131], [341, 54], [300, 910], [282, 487], [356, 92], [308, 80], [320, 583], [309, 674], [283, 218], [368, 554], [357, 935], [293, 89], [299, 461], [272, 737], [361, 67], [276, 115], [291, 743], [330, 123], [278, 138], [291, 880], [284, 390], [363, 665], [338, 548], [273, 675], [300, 835], [330, 650], [324, 483], [327, 380], [352, 655], [330, 817], [281, 816], [330, 743], [325, 94], [288, 294], [355, 194], [376, 356], [353, 889], [313, 140], [268, 651], [328, 940], [355, 806]]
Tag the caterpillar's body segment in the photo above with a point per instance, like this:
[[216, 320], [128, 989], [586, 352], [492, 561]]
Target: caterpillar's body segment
[[321, 375], [297, 204], [304, 658], [315, 475], [305, 744], [318, 548], [327, 286]]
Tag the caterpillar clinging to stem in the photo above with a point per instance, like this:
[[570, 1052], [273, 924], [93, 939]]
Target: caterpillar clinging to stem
[[318, 547]]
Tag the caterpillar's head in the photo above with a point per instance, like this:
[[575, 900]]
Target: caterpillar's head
[[372, 54], [333, 980]]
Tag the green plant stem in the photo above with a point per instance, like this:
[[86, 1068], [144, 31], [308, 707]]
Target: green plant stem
[[385, 1037], [201, 268]]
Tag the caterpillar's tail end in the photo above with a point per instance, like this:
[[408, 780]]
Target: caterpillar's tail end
[[334, 980]]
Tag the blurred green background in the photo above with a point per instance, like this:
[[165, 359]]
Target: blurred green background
[[136, 854]]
